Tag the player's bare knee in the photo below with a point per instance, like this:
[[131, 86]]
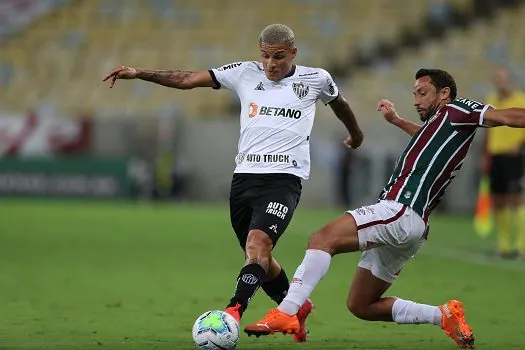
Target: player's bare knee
[[259, 240], [317, 241], [323, 240], [259, 248]]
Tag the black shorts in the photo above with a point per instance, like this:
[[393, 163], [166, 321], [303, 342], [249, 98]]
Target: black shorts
[[263, 202], [506, 174]]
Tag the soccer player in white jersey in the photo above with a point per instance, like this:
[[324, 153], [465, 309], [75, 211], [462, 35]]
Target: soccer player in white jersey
[[394, 229], [277, 113]]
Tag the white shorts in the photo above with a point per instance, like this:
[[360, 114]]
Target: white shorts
[[389, 234]]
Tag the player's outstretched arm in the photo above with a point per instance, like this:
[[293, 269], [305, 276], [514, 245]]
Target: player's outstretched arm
[[177, 78], [389, 113], [345, 114], [511, 117]]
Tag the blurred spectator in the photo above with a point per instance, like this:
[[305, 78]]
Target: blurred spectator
[[170, 181], [439, 12], [497, 51], [439, 16], [504, 162]]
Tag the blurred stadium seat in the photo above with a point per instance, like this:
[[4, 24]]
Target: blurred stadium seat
[[470, 55], [61, 57]]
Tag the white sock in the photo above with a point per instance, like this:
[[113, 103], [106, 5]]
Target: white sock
[[406, 311], [314, 266]]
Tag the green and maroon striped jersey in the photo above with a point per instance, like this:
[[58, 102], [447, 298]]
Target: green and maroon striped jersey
[[434, 156]]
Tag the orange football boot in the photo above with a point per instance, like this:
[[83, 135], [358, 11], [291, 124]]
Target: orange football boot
[[454, 325], [275, 321], [234, 312], [302, 314]]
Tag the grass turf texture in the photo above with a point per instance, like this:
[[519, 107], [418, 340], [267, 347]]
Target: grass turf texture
[[88, 275]]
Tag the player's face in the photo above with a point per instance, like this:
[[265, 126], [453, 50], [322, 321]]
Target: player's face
[[426, 98], [277, 60]]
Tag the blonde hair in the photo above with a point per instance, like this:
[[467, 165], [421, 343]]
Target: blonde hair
[[277, 34]]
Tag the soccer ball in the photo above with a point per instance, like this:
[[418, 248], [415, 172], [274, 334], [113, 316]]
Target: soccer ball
[[216, 330]]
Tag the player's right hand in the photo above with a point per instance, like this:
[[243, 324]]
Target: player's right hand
[[352, 143], [120, 72], [387, 109]]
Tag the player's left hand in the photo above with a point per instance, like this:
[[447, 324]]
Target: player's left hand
[[388, 110], [349, 142]]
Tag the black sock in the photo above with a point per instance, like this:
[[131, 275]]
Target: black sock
[[249, 280], [278, 287]]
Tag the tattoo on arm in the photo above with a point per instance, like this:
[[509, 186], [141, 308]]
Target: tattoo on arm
[[177, 78]]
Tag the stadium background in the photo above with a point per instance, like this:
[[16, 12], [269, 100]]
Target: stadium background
[[128, 272]]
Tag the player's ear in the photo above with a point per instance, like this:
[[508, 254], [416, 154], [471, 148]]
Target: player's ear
[[293, 51], [445, 93]]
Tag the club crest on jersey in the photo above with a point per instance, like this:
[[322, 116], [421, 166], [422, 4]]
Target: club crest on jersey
[[240, 158], [300, 89]]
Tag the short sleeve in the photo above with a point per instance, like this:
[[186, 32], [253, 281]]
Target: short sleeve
[[228, 75], [329, 90], [463, 112]]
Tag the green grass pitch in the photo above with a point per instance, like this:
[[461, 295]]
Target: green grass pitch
[[90, 275]]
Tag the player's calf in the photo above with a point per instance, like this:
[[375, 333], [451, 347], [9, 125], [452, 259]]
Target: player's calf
[[366, 312], [253, 274]]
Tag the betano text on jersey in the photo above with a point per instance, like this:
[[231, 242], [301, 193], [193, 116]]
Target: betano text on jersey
[[276, 116]]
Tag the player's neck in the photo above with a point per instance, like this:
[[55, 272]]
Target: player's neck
[[290, 72], [442, 104]]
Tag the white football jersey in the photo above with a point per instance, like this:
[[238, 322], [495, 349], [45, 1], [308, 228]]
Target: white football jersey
[[276, 117]]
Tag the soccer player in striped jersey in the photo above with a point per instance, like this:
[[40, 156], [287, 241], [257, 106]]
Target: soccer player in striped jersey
[[393, 230]]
